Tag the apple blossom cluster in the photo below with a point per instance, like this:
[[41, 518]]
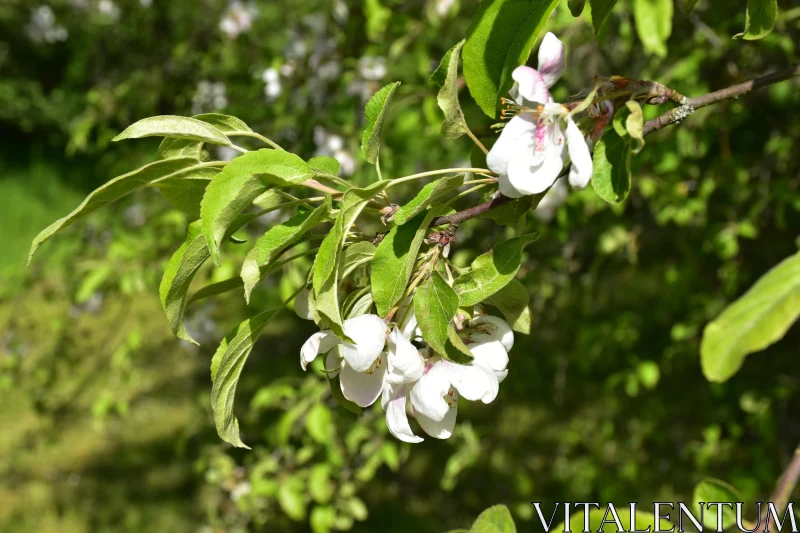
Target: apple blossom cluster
[[385, 361]]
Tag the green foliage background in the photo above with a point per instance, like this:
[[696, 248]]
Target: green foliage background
[[105, 417]]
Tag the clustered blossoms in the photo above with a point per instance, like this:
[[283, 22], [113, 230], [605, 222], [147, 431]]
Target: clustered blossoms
[[533, 146], [384, 362]]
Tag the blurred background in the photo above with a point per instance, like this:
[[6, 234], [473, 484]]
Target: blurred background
[[105, 422]]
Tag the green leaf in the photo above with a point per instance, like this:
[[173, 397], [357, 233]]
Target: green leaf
[[439, 75], [214, 289], [354, 256], [185, 194], [492, 271], [509, 213], [291, 498], [455, 350], [576, 7], [172, 147], [429, 194], [435, 305], [174, 126], [121, 186], [643, 521], [499, 40], [319, 423], [653, 24], [634, 124], [714, 490], [454, 125], [611, 178], [272, 243], [225, 123], [228, 367], [325, 271], [375, 115], [759, 20], [357, 303], [394, 261], [495, 519], [512, 300], [759, 318], [240, 183], [326, 164], [178, 276], [601, 9]]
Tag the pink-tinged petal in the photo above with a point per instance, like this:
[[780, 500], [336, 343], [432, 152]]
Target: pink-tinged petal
[[486, 328], [473, 381], [439, 429], [396, 417], [581, 171], [369, 334], [319, 342], [302, 305], [490, 355], [533, 170], [363, 388], [405, 363], [556, 195], [552, 59], [516, 135], [428, 394], [532, 87]]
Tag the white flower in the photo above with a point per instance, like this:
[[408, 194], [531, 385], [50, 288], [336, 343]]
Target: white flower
[[487, 328], [272, 83], [372, 67], [407, 319], [42, 26], [551, 201], [331, 145], [108, 8], [238, 19], [530, 152]]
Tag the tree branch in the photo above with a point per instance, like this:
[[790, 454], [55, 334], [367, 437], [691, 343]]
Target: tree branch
[[785, 485], [677, 114], [673, 116]]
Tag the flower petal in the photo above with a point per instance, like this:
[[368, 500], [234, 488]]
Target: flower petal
[[405, 363], [363, 388], [581, 171], [473, 381], [407, 319], [555, 196], [552, 59], [369, 334], [319, 342], [301, 305], [490, 355], [333, 364], [427, 394], [439, 429], [396, 417], [486, 328], [528, 172], [532, 86], [517, 135]]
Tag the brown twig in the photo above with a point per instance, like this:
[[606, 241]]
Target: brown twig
[[785, 486], [677, 114], [672, 116]]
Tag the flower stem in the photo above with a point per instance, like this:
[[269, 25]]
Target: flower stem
[[436, 173]]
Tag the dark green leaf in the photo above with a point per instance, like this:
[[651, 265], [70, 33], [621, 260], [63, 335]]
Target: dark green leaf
[[375, 115], [440, 74], [326, 164], [756, 320], [454, 125], [499, 40], [275, 241], [226, 369], [394, 261], [429, 194], [576, 7], [121, 186], [759, 19], [509, 213], [612, 167], [512, 300], [601, 9], [492, 271], [174, 126], [435, 305]]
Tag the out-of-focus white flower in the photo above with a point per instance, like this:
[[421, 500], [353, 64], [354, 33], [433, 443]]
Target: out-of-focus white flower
[[238, 19], [209, 96], [287, 69], [42, 27], [272, 83], [372, 67], [329, 70], [442, 7], [331, 145], [242, 489], [531, 150], [226, 153], [340, 11], [146, 3], [551, 201], [108, 9]]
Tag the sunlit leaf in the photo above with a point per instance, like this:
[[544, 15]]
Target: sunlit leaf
[[429, 194], [759, 318], [174, 126], [601, 9], [611, 178], [759, 19], [454, 125], [326, 164], [653, 24], [495, 519], [435, 306], [375, 114]]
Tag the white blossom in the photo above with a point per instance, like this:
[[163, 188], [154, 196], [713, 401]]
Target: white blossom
[[238, 19], [532, 148], [372, 67], [332, 145], [43, 28], [272, 83]]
